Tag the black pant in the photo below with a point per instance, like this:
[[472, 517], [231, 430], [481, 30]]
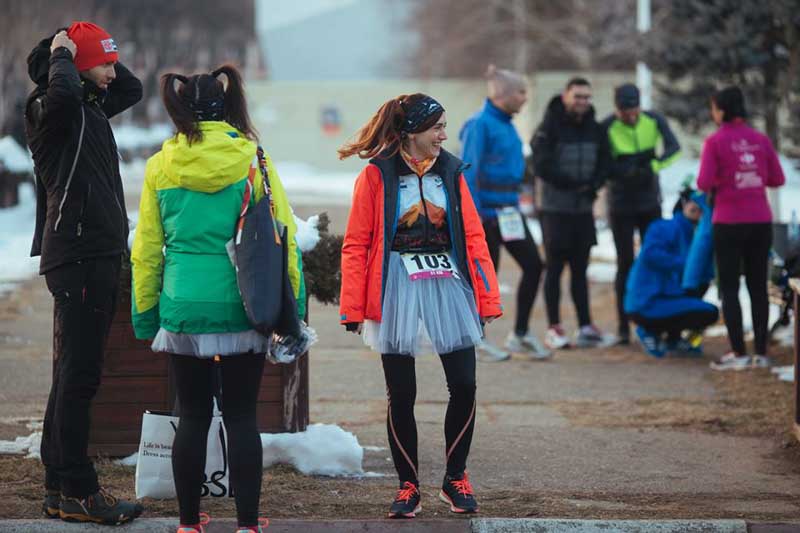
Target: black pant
[[622, 227], [568, 239], [674, 325], [737, 247], [526, 255], [85, 299], [195, 384], [459, 422]]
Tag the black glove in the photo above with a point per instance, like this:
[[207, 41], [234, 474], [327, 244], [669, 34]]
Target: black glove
[[351, 326]]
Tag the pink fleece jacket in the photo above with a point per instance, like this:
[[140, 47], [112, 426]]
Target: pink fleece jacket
[[738, 164]]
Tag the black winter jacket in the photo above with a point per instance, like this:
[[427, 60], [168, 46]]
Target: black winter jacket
[[572, 159], [80, 205]]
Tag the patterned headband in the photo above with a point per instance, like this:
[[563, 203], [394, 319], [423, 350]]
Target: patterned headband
[[418, 114]]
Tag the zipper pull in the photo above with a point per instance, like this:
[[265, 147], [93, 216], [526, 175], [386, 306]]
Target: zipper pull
[[80, 228]]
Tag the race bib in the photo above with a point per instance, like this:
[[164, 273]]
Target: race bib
[[429, 266], [512, 226]]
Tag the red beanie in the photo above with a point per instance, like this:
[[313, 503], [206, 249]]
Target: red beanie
[[95, 45]]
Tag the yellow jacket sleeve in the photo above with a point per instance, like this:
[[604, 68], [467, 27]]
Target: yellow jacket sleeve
[[147, 258]]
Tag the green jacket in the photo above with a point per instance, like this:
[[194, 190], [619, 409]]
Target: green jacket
[[633, 180], [183, 279]]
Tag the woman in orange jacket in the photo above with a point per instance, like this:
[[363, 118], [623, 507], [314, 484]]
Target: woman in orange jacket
[[414, 262]]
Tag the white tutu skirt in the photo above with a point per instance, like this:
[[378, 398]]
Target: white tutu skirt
[[207, 345], [441, 309]]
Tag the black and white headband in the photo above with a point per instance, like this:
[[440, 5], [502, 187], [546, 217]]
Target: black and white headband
[[418, 114]]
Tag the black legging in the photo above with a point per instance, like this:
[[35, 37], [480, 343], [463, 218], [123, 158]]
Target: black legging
[[622, 227], [579, 286], [674, 325], [194, 381], [737, 247], [459, 421], [526, 255]]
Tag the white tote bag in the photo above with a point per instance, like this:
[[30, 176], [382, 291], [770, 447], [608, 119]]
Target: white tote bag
[[154, 466]]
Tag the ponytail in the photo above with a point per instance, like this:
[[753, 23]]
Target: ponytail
[[180, 113], [235, 102], [381, 134]]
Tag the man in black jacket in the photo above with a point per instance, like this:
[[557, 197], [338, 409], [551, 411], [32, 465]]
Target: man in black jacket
[[81, 234], [570, 156]]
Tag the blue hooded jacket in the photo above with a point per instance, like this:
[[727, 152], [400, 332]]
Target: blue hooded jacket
[[654, 284], [492, 147]]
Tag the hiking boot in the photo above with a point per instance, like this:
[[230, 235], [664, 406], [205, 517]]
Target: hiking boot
[[100, 508], [488, 352], [457, 492], [556, 338], [262, 526], [589, 336], [650, 342], [406, 503], [52, 504], [527, 344], [731, 361]]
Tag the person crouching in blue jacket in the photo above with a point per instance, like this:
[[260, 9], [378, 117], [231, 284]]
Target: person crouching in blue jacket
[[654, 298]]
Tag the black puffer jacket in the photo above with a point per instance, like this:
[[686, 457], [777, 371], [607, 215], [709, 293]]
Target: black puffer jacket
[[80, 205], [572, 159]]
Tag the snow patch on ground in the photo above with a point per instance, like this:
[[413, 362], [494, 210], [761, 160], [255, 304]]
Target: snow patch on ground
[[321, 450], [132, 137], [28, 446], [784, 373], [307, 235]]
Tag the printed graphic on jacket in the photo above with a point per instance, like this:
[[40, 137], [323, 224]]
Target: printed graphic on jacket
[[422, 224]]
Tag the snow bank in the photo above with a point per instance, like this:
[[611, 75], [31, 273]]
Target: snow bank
[[323, 449], [14, 157], [307, 235]]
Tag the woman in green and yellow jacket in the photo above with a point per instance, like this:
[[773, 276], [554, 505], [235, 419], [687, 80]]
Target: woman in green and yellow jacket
[[185, 294]]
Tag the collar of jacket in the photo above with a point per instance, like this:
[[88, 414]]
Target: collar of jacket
[[92, 93], [490, 109]]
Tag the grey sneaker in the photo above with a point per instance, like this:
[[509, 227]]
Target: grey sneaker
[[760, 361], [51, 507], [528, 344], [731, 361], [490, 353], [589, 337]]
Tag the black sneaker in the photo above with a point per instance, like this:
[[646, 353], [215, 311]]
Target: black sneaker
[[406, 503], [52, 504], [101, 508], [457, 491]]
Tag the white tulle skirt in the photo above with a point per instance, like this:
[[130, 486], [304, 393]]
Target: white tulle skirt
[[207, 345], [441, 309]]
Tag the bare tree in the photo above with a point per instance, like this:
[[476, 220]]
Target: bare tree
[[459, 37], [153, 36]]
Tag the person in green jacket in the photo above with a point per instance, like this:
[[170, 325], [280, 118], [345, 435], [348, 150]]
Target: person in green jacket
[[185, 295], [634, 193]]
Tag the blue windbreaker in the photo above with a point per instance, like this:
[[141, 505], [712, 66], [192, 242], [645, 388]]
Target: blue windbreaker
[[493, 149]]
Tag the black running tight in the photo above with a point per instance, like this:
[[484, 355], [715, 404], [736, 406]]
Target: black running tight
[[194, 381], [459, 422], [527, 257], [744, 248]]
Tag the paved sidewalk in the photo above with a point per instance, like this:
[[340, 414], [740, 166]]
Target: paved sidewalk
[[481, 525]]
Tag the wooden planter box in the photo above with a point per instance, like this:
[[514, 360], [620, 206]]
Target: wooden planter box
[[136, 379]]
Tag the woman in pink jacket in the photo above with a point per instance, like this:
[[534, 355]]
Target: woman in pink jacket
[[737, 166]]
